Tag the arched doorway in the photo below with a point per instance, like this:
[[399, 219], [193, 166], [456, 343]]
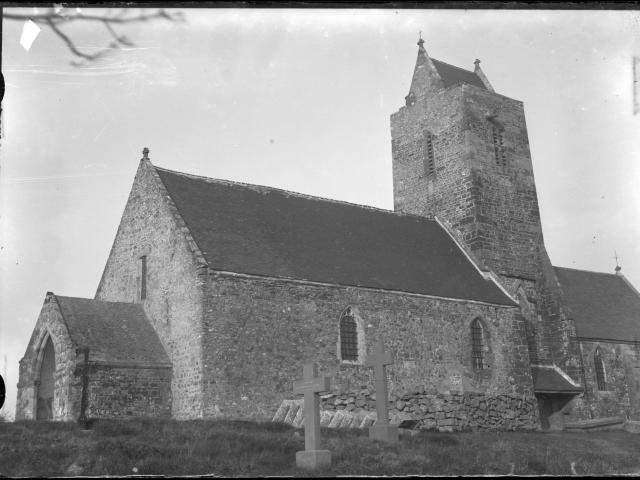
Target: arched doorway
[[44, 403]]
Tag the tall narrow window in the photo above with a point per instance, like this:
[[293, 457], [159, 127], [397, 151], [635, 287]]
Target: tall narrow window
[[348, 336], [143, 277], [429, 157], [599, 367], [498, 147], [477, 344]]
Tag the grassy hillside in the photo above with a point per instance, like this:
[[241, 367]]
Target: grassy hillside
[[238, 448]]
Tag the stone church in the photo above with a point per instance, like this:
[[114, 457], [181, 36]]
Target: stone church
[[216, 292]]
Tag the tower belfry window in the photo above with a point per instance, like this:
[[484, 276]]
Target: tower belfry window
[[429, 157], [498, 147]]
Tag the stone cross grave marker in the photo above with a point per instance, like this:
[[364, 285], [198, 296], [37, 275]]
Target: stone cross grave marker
[[381, 430], [310, 385]]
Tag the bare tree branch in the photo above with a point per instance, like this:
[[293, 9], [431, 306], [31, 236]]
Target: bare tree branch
[[144, 17], [69, 43], [54, 19], [118, 38]]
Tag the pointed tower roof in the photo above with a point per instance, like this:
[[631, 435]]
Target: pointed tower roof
[[430, 74], [451, 75]]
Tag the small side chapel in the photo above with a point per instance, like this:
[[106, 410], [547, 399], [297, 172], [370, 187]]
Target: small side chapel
[[216, 292]]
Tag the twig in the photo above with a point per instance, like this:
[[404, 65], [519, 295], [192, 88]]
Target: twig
[[70, 44], [119, 38], [54, 19], [98, 18]]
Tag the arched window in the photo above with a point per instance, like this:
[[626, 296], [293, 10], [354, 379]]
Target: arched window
[[477, 345], [599, 367], [348, 336], [429, 156]]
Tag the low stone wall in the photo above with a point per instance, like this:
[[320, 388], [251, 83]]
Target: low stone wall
[[440, 412]]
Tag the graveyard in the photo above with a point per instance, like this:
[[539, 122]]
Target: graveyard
[[146, 446], [238, 448]]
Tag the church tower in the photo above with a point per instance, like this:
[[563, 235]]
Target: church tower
[[461, 153]]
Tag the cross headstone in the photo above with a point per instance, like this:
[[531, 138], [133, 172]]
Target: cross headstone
[[381, 430], [310, 385]]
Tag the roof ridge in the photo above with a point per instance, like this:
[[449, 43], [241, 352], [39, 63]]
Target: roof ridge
[[295, 194], [455, 66], [96, 300], [587, 271]]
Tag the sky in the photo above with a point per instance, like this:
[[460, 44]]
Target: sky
[[300, 100]]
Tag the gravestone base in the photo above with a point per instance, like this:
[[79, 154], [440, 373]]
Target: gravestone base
[[312, 459], [385, 433]]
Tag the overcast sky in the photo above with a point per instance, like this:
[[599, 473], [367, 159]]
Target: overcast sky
[[297, 100]]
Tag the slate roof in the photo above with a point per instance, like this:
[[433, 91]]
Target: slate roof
[[549, 380], [451, 75], [113, 331], [604, 305], [265, 231]]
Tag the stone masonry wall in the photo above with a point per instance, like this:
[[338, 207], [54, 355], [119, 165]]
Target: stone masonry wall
[[557, 330], [260, 331], [446, 192], [622, 376], [505, 197], [174, 290], [492, 208], [456, 411], [122, 392], [67, 387]]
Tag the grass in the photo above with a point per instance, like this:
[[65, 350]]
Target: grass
[[243, 448]]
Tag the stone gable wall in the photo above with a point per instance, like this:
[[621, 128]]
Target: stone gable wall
[[174, 290], [67, 387], [260, 331]]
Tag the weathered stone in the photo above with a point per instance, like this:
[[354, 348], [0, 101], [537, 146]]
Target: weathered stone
[[369, 419], [325, 418], [293, 411], [347, 420], [337, 419]]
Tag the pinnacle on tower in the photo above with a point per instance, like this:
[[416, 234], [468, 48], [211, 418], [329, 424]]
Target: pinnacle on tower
[[145, 153], [421, 51], [478, 71]]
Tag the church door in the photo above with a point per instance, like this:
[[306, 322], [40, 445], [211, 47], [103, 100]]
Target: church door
[[44, 404]]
